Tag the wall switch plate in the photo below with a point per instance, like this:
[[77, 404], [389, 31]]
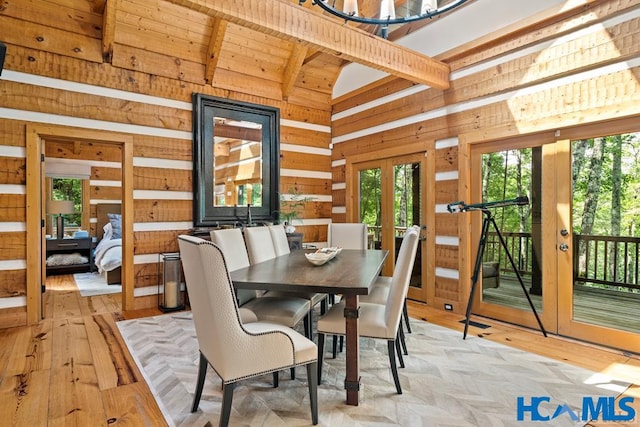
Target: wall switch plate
[[448, 307]]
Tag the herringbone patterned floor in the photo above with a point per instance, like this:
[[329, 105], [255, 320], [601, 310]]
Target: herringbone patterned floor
[[447, 381]]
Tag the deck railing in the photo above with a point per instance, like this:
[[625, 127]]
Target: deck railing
[[520, 248], [605, 260]]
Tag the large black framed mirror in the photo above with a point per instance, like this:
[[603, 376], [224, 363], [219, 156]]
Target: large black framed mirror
[[236, 161]]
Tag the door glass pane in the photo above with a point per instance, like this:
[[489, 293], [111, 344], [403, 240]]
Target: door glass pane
[[606, 232], [507, 175], [370, 182], [407, 210]]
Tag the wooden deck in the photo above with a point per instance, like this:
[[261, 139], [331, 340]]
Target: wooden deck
[[613, 309]]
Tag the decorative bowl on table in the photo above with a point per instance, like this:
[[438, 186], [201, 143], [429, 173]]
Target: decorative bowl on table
[[335, 250], [320, 258]]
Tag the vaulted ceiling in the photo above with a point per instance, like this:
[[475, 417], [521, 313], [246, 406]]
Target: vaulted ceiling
[[277, 49]]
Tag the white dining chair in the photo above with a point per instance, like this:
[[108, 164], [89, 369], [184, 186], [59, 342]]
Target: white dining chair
[[232, 244], [259, 244], [236, 350], [257, 240], [279, 239], [350, 235], [379, 293], [345, 235], [376, 320], [287, 310]]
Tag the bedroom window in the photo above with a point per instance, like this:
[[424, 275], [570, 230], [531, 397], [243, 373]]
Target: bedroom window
[[76, 189]]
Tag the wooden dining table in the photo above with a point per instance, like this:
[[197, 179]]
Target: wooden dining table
[[349, 274]]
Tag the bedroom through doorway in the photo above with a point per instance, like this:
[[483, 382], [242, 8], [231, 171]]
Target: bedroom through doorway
[[109, 156], [84, 238]]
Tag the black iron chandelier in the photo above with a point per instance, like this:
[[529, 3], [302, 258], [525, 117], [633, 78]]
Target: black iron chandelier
[[412, 10]]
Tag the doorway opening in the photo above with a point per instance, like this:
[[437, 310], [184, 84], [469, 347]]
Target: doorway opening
[[390, 198], [36, 142], [576, 244]]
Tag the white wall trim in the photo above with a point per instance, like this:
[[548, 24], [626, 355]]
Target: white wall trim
[[12, 226], [305, 149], [154, 162], [447, 241], [162, 195], [11, 302], [162, 226], [305, 173], [12, 151], [447, 273], [13, 189], [13, 264]]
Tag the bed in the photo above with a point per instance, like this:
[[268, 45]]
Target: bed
[[108, 252]]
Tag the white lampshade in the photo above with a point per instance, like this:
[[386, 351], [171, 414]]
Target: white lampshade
[[63, 207], [350, 7], [428, 5], [387, 9]]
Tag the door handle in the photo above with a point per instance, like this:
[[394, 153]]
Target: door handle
[[564, 232], [563, 247]]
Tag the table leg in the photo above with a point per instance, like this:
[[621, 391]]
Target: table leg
[[352, 379]]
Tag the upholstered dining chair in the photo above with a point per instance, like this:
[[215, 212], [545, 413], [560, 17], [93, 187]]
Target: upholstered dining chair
[[349, 235], [286, 310], [281, 247], [279, 239], [346, 235], [236, 351], [379, 294], [376, 320], [231, 243], [259, 244]]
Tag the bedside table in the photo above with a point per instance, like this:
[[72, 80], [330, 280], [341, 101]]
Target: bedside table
[[83, 246]]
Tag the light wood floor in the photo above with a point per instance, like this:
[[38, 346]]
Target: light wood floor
[[74, 369]]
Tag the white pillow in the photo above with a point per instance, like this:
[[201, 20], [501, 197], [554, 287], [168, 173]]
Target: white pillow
[[108, 231], [116, 225]]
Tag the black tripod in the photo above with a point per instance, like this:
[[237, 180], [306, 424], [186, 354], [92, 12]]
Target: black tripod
[[488, 219]]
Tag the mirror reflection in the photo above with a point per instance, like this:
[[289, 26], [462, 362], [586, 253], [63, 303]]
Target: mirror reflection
[[237, 153]]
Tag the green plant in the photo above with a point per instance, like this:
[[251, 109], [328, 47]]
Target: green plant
[[291, 205]]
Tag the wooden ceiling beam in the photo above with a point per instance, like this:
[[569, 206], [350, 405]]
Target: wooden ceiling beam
[[287, 20], [215, 47], [294, 65], [109, 29]]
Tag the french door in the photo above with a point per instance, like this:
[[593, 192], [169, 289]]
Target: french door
[[575, 244], [389, 199]]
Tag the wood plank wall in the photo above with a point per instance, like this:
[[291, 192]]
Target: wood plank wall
[[581, 67], [55, 72]]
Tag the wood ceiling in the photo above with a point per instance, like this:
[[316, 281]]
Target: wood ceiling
[[277, 49]]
